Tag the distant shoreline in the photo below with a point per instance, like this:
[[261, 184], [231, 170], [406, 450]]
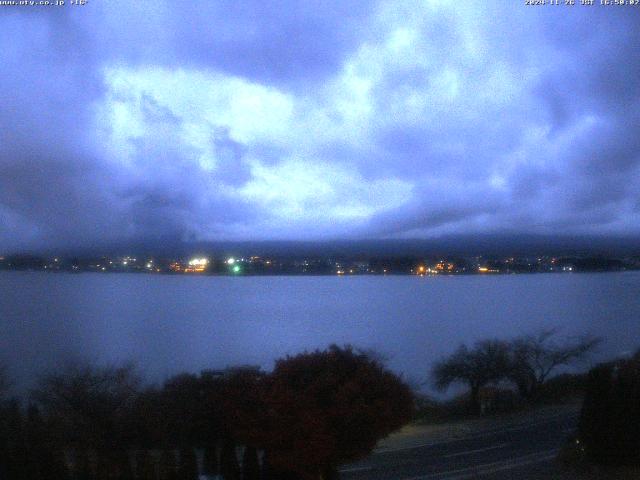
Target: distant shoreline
[[349, 275]]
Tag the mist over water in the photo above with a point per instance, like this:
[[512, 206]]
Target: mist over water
[[167, 324]]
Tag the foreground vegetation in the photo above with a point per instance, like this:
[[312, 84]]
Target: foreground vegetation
[[607, 443], [311, 414], [314, 412]]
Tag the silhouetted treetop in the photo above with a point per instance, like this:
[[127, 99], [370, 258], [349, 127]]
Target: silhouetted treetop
[[325, 408]]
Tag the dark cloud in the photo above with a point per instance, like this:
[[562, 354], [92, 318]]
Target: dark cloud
[[280, 42]]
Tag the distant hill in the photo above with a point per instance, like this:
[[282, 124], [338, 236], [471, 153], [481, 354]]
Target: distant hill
[[460, 245]]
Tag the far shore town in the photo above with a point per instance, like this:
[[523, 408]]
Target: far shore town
[[204, 264]]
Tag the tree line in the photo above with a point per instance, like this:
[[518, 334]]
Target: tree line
[[526, 362], [312, 413]]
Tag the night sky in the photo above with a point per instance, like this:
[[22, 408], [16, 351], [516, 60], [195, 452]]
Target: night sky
[[254, 120]]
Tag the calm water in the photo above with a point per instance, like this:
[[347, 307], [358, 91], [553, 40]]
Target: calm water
[[173, 323]]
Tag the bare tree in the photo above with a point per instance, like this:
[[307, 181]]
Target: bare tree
[[89, 404], [535, 357], [487, 362]]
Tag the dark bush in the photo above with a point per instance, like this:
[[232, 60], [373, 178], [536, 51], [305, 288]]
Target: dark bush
[[610, 418], [250, 465], [325, 408], [229, 467], [210, 460], [145, 465], [188, 464], [168, 466], [561, 388]]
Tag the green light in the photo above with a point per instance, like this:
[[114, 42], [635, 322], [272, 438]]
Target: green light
[[236, 268]]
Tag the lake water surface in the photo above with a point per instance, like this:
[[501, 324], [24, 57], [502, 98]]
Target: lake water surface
[[170, 323]]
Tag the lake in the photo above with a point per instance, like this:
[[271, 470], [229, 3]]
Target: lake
[[171, 323]]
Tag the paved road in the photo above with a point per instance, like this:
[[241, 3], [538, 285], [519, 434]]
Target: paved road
[[501, 453]]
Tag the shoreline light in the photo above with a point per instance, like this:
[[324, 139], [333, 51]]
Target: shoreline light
[[194, 262], [197, 265]]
